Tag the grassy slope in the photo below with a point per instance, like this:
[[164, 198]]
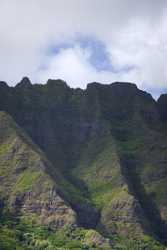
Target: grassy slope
[[137, 187], [23, 170], [25, 183], [100, 169]]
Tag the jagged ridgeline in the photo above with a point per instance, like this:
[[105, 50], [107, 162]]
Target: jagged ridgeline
[[82, 169]]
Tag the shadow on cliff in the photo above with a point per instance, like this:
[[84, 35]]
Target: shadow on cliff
[[87, 215], [157, 226]]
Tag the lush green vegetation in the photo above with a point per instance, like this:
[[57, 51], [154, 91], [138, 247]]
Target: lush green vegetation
[[22, 234], [105, 153]]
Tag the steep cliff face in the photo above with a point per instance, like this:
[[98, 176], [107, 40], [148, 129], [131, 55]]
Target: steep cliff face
[[61, 120], [109, 144], [26, 187]]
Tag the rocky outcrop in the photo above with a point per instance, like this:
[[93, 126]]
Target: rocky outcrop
[[94, 239], [25, 185], [123, 215], [47, 206]]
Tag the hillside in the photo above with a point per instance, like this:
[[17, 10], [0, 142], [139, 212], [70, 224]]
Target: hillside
[[98, 155], [27, 189]]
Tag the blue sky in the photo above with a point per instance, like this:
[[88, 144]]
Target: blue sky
[[99, 57], [83, 41]]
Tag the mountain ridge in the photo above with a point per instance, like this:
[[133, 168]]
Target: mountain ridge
[[25, 81], [108, 142]]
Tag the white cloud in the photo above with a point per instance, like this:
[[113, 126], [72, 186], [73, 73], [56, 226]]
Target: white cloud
[[74, 64], [134, 32]]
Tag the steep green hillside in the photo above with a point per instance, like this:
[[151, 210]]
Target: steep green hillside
[[106, 152], [34, 211], [26, 188]]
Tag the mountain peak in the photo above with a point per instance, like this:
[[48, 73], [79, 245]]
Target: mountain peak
[[25, 82], [53, 82]]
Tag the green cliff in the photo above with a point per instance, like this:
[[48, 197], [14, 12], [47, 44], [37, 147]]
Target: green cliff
[[91, 160]]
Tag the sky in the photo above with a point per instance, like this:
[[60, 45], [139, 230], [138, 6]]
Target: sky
[[83, 41]]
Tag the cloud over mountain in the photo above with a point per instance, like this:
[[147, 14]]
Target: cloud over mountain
[[83, 41]]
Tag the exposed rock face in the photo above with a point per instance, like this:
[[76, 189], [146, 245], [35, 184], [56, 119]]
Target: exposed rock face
[[49, 207], [124, 212], [25, 185], [94, 239], [109, 144]]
